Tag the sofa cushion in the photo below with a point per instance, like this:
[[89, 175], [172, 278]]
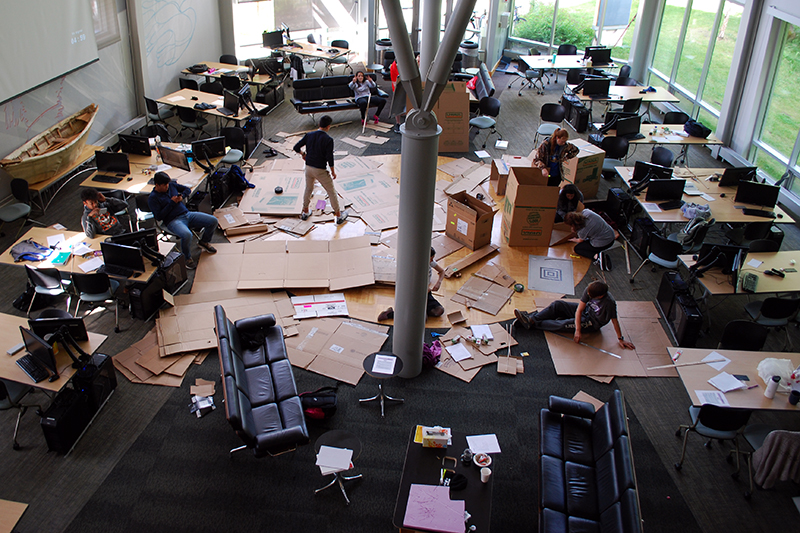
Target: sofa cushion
[[631, 521], [601, 433], [263, 419], [581, 484], [578, 440], [308, 95], [255, 322], [567, 406], [626, 477], [611, 520], [253, 357], [583, 525], [232, 408], [607, 485], [259, 384], [616, 415], [291, 411], [337, 92], [221, 322], [551, 521], [283, 380], [275, 345], [552, 484], [551, 441], [225, 357]]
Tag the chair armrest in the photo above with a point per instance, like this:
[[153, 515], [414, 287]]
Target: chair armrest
[[567, 406], [276, 442]]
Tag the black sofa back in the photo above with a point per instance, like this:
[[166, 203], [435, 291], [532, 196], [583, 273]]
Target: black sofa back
[[331, 93]]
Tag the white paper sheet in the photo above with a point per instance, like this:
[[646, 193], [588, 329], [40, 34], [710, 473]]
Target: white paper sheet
[[755, 263], [651, 207], [458, 352], [707, 198], [726, 382], [483, 443], [384, 364], [91, 264], [712, 397], [716, 356], [334, 458], [53, 240], [482, 330], [81, 249], [483, 154]]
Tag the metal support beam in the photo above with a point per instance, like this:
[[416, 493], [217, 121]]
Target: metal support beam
[[429, 40]]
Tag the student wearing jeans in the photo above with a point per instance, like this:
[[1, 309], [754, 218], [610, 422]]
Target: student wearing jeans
[[166, 203], [361, 87]]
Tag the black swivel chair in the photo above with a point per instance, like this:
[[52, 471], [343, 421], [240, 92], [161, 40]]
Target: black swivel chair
[[191, 120], [566, 50], [21, 209], [158, 115], [624, 72], [751, 231], [341, 60], [96, 287], [188, 83], [661, 156], [676, 117], [236, 139], [231, 82], [212, 87], [533, 78], [763, 245], [714, 422], [625, 82], [616, 149], [11, 395], [488, 110], [156, 130], [228, 59], [743, 335], [550, 118], [46, 282], [663, 252], [774, 313]]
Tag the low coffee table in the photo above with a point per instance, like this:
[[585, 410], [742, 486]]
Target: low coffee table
[[368, 367], [339, 438]]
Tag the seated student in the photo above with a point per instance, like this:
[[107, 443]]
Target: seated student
[[433, 307], [166, 203], [98, 214], [594, 234], [596, 309], [570, 198]]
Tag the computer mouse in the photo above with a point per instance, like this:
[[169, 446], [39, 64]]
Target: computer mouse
[[722, 195], [130, 178], [278, 189], [53, 378], [195, 98]]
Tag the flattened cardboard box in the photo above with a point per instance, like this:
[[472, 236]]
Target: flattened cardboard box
[[585, 169], [469, 221], [264, 199], [529, 208]]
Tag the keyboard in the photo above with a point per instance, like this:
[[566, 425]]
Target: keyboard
[[758, 213], [668, 206], [114, 270], [105, 178], [749, 282], [31, 366]]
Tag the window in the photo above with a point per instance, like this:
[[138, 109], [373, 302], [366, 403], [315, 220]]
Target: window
[[106, 25]]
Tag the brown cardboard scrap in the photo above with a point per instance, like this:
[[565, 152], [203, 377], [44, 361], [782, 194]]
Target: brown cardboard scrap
[[574, 359], [382, 218], [561, 234], [458, 167], [447, 365], [350, 263], [183, 363], [507, 365], [384, 268], [520, 364], [588, 398], [456, 268], [469, 220], [602, 379], [456, 317], [249, 229], [470, 179], [495, 274], [230, 217], [202, 387], [369, 190], [295, 226], [439, 218], [637, 310], [485, 295], [502, 340], [342, 357]]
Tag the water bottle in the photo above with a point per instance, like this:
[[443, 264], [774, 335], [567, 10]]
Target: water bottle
[[772, 386], [554, 58]]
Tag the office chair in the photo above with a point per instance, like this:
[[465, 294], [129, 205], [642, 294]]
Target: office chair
[[156, 130], [231, 82], [532, 78], [714, 422], [158, 115], [11, 395], [235, 139], [342, 60], [663, 252], [695, 239], [626, 82], [191, 120], [616, 149], [743, 335], [763, 245], [488, 110], [550, 118], [188, 83], [120, 195], [629, 106], [750, 231], [212, 87], [661, 156], [18, 210], [143, 213], [624, 72], [774, 313], [676, 117], [54, 313], [229, 59], [45, 281], [565, 50], [96, 287], [776, 455]]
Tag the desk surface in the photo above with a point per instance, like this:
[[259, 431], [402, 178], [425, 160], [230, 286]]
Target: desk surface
[[9, 329], [564, 62], [722, 209], [745, 363], [74, 237], [663, 138], [621, 93], [313, 50], [423, 466], [183, 98], [223, 68], [137, 182], [718, 283]]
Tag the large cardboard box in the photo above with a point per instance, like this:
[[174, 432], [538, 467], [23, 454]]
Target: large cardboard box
[[452, 113], [529, 208], [469, 221], [585, 169]]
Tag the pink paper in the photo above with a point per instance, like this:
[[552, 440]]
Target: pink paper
[[321, 204], [430, 507]]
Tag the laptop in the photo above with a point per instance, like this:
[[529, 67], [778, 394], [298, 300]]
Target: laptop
[[134, 145], [596, 88], [112, 167], [601, 57]]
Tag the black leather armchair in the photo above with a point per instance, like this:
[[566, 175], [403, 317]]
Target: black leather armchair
[[261, 402], [587, 480]]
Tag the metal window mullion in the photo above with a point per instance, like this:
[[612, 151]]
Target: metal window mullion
[[681, 40], [553, 28], [710, 52], [769, 82]]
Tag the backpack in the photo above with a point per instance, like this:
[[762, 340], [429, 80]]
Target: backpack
[[696, 129], [319, 404], [688, 234], [198, 68], [29, 250], [237, 182]]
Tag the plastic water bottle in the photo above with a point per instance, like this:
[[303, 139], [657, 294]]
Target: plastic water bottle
[[554, 58], [772, 386]]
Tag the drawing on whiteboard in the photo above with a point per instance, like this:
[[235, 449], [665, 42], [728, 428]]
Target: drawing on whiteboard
[[170, 26], [17, 115]]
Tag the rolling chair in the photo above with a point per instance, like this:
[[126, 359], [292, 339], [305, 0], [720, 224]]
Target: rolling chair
[[143, 213], [533, 78], [574, 77], [629, 106], [342, 60], [775, 455], [231, 82], [751, 231], [212, 87], [676, 117], [157, 115], [21, 209], [188, 83], [488, 110], [228, 59], [661, 156], [156, 130], [714, 422], [550, 118], [743, 335], [774, 313], [626, 82], [695, 238], [45, 281], [624, 72], [191, 120], [235, 138], [663, 252], [127, 212], [96, 287], [11, 395], [565, 50], [616, 149]]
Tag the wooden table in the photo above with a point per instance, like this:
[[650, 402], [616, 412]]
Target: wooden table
[[217, 70], [137, 181], [723, 209], [423, 466], [183, 98], [717, 283], [696, 377], [9, 332], [621, 94], [662, 137], [10, 513], [314, 51], [74, 237]]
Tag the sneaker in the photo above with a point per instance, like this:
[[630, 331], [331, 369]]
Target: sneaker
[[522, 317], [304, 216], [376, 119], [341, 218], [607, 263], [363, 121], [436, 311], [207, 247], [191, 264], [396, 128], [386, 315]]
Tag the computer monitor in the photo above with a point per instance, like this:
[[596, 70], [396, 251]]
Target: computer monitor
[[149, 235], [732, 176], [761, 194], [43, 327], [628, 126], [596, 86], [648, 171], [39, 349], [122, 256], [272, 39], [665, 190], [726, 255], [230, 101], [112, 162], [600, 56], [210, 148], [134, 145], [174, 158]]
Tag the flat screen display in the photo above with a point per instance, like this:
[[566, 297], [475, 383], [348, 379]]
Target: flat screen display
[[112, 162], [761, 194], [643, 170], [174, 158], [732, 176], [39, 349], [596, 86], [45, 326], [122, 256], [665, 190], [134, 145], [628, 126], [149, 235], [211, 148]]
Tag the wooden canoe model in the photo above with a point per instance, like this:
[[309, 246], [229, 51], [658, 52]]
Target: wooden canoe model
[[53, 151]]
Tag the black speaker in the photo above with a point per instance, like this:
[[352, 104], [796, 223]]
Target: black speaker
[[98, 385], [619, 206], [65, 420], [775, 234], [579, 118], [686, 320]]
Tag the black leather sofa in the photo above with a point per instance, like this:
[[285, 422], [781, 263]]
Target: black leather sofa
[[324, 95], [261, 401], [587, 481]]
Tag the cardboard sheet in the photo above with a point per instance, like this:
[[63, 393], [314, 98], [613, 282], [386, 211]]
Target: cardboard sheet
[[350, 165], [550, 274], [368, 190], [496, 274], [456, 268], [588, 398], [264, 199], [484, 295], [458, 167], [447, 365]]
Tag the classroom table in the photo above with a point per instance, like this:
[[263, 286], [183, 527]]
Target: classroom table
[[563, 62], [667, 134], [619, 94], [9, 329], [723, 209], [717, 283], [695, 377], [216, 70], [139, 179], [313, 51], [188, 98]]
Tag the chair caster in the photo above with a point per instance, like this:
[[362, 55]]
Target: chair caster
[[116, 330], [678, 466], [730, 462], [708, 445], [735, 475], [631, 280], [16, 446], [678, 433]]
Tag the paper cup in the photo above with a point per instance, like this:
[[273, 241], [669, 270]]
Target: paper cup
[[485, 474]]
